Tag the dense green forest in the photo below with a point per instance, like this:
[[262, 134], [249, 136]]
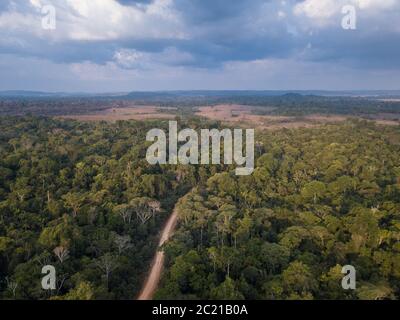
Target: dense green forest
[[318, 199], [82, 197]]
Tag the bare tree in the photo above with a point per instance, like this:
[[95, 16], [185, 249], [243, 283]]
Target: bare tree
[[154, 206], [145, 208], [61, 253], [122, 242], [12, 286], [107, 264], [144, 215], [60, 282], [14, 143], [125, 212]]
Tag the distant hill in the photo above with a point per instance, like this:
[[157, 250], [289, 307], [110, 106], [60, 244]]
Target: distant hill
[[261, 93], [42, 94], [21, 93], [203, 94]]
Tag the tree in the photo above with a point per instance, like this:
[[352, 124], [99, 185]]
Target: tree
[[122, 242], [226, 291], [314, 191], [298, 278], [83, 291], [274, 257], [379, 291], [125, 212], [107, 264], [12, 286], [331, 284], [61, 253], [5, 246], [73, 201], [364, 229], [145, 208], [292, 237]]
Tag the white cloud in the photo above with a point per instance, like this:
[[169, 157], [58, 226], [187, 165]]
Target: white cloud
[[36, 3], [317, 9], [134, 59], [322, 11], [128, 58], [109, 72], [89, 20], [376, 4], [281, 14]]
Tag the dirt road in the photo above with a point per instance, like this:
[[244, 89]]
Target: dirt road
[[153, 279]]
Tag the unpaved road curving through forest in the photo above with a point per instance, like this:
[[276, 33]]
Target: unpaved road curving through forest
[[150, 286]]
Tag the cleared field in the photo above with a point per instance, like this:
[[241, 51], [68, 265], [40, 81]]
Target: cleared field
[[242, 115], [388, 119], [128, 113]]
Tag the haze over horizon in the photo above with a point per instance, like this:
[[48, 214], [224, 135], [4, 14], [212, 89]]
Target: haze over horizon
[[201, 92], [156, 45]]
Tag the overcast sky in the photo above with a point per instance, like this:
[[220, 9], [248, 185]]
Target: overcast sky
[[126, 45]]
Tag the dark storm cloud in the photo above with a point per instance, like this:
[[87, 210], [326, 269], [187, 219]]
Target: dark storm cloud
[[202, 34]]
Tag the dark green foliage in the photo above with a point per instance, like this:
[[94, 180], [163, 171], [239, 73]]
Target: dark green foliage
[[82, 197], [318, 199], [85, 191]]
